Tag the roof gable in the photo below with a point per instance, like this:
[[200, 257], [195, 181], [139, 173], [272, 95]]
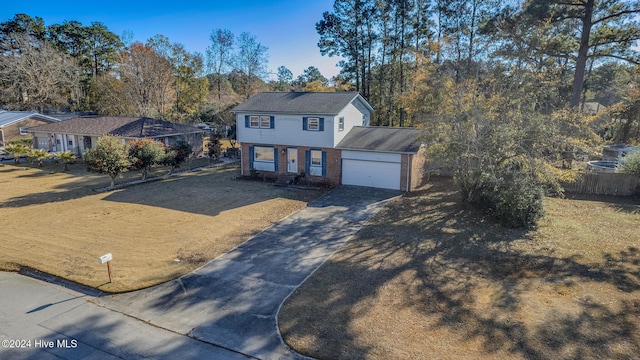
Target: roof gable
[[310, 103], [128, 127], [381, 139], [10, 117]]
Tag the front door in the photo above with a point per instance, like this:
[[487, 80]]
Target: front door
[[87, 143], [292, 160]]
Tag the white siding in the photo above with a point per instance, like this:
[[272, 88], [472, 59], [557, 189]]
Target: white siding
[[353, 116], [288, 128], [287, 131]]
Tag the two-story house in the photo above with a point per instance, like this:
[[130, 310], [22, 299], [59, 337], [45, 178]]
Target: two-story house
[[327, 137]]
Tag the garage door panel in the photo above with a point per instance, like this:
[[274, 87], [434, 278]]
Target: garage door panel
[[371, 173]]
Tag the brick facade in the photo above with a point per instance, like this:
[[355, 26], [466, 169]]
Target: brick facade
[[333, 163], [415, 171]]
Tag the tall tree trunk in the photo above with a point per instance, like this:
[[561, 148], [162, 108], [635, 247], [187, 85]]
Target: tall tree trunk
[[583, 52], [472, 33]]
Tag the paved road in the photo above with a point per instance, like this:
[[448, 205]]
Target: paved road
[[231, 303], [43, 321]]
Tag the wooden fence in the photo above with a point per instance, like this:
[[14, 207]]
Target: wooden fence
[[605, 184]]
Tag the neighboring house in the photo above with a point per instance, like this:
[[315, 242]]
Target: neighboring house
[[81, 133], [320, 135], [15, 124]]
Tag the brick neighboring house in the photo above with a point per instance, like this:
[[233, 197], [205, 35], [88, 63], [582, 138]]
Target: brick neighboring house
[[319, 134], [15, 124], [81, 133]]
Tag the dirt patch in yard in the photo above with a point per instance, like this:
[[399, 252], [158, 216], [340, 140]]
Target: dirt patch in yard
[[55, 222], [430, 279]]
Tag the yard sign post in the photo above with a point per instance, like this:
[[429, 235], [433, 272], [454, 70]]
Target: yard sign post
[[106, 259]]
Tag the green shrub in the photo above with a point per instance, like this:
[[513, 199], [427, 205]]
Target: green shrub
[[515, 199], [176, 154], [630, 164]]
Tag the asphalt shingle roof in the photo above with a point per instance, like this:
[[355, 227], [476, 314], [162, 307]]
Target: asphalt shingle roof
[[382, 139], [9, 117], [128, 127], [312, 103]]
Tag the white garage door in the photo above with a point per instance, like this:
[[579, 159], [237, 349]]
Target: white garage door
[[371, 173]]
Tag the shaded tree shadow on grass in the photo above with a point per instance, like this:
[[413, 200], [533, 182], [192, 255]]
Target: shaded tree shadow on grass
[[445, 257], [628, 204]]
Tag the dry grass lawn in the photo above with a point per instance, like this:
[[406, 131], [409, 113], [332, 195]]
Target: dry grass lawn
[[56, 222], [429, 279]]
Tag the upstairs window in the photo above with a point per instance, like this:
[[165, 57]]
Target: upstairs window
[[341, 124], [312, 124], [265, 122], [259, 122], [24, 130]]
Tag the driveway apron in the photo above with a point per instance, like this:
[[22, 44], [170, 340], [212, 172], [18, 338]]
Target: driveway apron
[[233, 301]]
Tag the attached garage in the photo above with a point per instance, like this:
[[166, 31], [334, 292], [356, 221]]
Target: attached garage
[[381, 157], [371, 169]]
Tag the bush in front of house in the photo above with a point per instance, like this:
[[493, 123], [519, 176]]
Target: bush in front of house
[[39, 155], [110, 156], [16, 150], [177, 154], [66, 157], [145, 153]]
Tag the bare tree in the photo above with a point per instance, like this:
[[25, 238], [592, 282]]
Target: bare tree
[[219, 54], [146, 80], [35, 75], [251, 61]]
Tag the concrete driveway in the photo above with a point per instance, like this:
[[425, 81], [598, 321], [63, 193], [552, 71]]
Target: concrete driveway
[[230, 305], [233, 301]]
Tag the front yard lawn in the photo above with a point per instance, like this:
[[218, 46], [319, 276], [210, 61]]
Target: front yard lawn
[[429, 279], [55, 222]]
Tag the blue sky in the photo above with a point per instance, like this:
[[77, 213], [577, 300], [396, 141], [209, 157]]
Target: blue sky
[[286, 27]]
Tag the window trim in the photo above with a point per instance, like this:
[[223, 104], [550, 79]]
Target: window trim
[[341, 123], [314, 120], [24, 130]]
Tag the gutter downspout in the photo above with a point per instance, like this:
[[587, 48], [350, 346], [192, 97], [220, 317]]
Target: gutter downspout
[[408, 172], [2, 138], [242, 162]]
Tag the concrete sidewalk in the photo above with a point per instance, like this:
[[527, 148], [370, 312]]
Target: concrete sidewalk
[[233, 301]]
